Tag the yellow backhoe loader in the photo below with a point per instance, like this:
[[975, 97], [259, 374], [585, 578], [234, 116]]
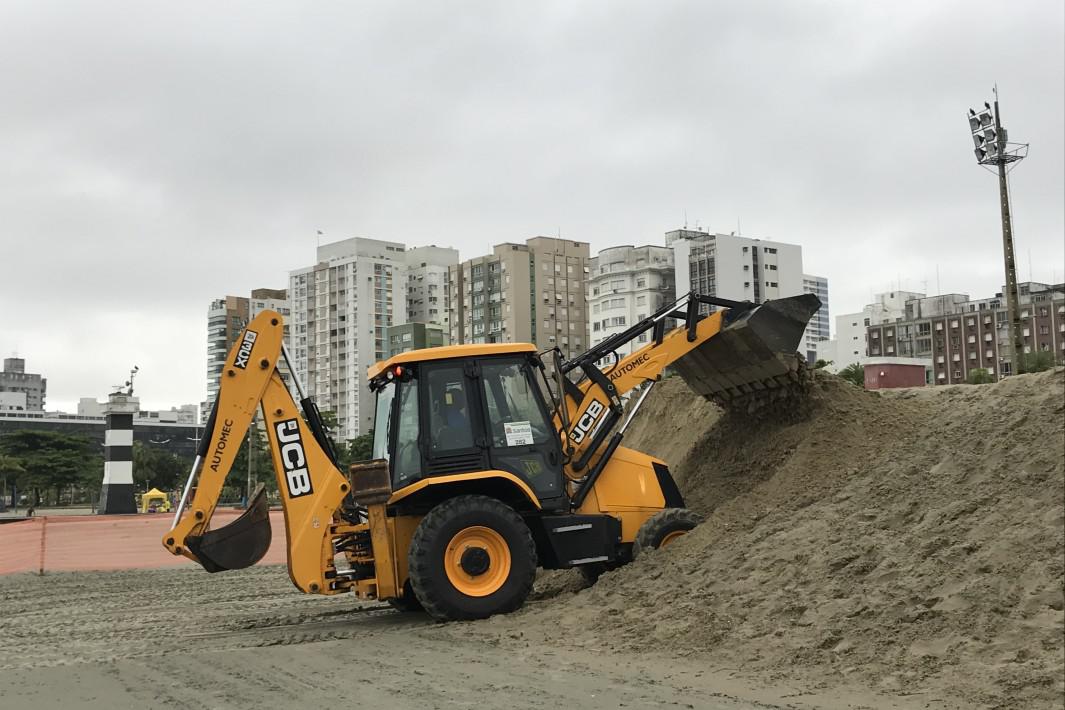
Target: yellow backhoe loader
[[488, 460]]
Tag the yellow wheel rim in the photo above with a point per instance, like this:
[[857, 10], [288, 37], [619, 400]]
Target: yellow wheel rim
[[671, 537], [472, 545]]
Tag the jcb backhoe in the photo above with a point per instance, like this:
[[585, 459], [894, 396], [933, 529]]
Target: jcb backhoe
[[488, 462]]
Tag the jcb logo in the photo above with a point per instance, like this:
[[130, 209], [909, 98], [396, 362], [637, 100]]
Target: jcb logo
[[293, 459], [244, 352], [587, 421]]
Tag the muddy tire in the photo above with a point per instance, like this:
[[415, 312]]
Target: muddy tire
[[663, 528], [471, 557], [407, 602]]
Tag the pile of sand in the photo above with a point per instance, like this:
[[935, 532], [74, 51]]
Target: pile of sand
[[910, 541]]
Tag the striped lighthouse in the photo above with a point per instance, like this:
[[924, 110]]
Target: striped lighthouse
[[116, 496]]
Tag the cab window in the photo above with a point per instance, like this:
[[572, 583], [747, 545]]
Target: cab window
[[382, 421], [450, 426], [408, 462], [514, 414]]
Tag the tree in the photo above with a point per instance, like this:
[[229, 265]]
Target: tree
[[262, 466], [157, 468], [1038, 361], [10, 469], [358, 449], [52, 461], [854, 373], [821, 364], [979, 376]]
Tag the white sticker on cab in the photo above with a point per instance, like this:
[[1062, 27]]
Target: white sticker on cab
[[518, 433]]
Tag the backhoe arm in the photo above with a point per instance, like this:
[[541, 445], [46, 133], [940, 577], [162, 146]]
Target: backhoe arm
[[311, 487]]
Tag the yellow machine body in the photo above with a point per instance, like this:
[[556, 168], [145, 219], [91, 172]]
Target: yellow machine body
[[541, 478]]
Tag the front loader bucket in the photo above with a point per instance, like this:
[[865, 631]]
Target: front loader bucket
[[753, 354], [240, 544]]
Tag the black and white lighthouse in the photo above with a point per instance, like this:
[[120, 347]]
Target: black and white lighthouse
[[117, 496]]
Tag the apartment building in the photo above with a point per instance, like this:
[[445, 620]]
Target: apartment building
[[25, 391], [428, 291], [961, 335], [627, 284], [532, 292], [734, 267], [849, 345], [414, 336], [226, 317], [342, 307], [818, 329], [270, 299]]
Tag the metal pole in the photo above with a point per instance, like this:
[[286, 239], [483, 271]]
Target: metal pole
[[247, 493], [1012, 298]]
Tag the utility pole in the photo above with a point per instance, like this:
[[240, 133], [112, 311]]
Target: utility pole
[[990, 139]]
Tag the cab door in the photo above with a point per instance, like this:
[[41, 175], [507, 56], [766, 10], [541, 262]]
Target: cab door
[[452, 437], [517, 428]]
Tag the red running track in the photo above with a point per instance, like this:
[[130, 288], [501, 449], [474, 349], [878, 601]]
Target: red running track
[[107, 542]]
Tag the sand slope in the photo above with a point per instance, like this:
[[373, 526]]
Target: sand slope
[[911, 542]]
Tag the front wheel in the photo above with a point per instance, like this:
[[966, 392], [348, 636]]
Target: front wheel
[[664, 527], [406, 601], [471, 557]]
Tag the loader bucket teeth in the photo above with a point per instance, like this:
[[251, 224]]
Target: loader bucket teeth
[[752, 355], [240, 544]]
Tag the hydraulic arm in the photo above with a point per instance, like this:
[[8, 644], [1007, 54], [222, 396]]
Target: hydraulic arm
[[727, 355], [311, 486]]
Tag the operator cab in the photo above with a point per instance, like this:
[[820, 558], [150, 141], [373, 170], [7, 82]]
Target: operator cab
[[466, 408]]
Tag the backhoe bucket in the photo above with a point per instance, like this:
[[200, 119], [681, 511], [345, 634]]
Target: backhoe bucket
[[240, 544], [755, 353]]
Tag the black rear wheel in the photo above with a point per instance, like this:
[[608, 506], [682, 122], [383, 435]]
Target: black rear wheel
[[471, 557], [663, 528]]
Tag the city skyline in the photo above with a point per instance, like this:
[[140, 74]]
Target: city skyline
[[192, 160]]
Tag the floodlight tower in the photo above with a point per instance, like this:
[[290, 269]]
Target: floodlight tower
[[989, 137]]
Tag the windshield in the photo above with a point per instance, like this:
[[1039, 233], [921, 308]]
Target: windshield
[[513, 410], [380, 424]]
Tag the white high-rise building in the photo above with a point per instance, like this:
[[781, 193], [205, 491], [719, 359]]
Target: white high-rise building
[[428, 295], [818, 328], [226, 317], [849, 346], [736, 268], [270, 299], [627, 284], [341, 309]]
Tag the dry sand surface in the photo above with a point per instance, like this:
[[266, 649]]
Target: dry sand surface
[[910, 541], [875, 550], [181, 638]]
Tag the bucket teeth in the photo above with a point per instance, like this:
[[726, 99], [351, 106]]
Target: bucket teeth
[[753, 355]]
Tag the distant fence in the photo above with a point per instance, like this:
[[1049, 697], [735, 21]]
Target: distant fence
[[106, 542]]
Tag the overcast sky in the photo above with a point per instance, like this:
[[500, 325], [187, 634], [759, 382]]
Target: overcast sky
[[158, 155]]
